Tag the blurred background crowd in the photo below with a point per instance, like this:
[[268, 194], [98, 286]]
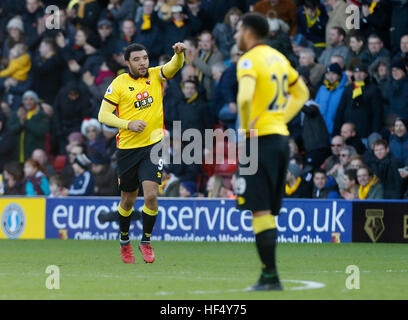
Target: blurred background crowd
[[349, 141]]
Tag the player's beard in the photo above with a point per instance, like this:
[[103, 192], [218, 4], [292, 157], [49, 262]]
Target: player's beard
[[135, 72]]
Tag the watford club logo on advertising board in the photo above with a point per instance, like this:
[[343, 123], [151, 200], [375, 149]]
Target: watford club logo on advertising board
[[374, 226], [144, 100]]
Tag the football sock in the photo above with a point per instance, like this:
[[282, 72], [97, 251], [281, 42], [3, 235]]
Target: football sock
[[124, 224], [149, 219], [265, 238]]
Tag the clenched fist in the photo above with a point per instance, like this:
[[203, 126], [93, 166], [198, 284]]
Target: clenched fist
[[137, 126], [179, 47]]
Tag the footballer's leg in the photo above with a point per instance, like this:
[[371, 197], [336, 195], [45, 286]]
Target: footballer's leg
[[149, 215], [265, 231], [125, 210]]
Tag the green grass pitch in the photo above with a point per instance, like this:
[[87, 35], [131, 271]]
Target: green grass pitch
[[93, 270]]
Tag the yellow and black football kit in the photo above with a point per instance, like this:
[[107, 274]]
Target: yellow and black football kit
[[138, 99], [270, 94]]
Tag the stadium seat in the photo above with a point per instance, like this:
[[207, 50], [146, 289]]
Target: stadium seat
[[59, 163]]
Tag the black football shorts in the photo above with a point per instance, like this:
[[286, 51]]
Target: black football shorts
[[135, 166], [264, 190]]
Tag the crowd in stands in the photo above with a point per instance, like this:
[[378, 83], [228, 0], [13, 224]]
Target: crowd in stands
[[349, 141]]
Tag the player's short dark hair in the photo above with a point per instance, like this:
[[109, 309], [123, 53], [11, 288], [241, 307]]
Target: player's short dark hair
[[133, 47], [257, 23]]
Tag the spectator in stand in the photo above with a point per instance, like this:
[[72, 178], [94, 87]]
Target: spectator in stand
[[98, 84], [149, 32], [316, 70], [17, 69], [322, 189], [13, 175], [399, 23], [356, 162], [103, 176], [203, 59], [375, 50], [381, 73], [40, 156], [57, 187], [83, 184], [370, 187], [15, 35], [109, 134], [350, 185], [403, 53], [36, 182], [105, 41], [30, 124], [337, 171], [336, 38], [31, 19], [119, 10], [361, 104], [329, 94], [91, 129], [349, 134], [47, 71], [181, 26], [285, 9], [376, 18], [397, 91], [70, 108], [193, 112], [385, 167], [127, 35], [337, 18], [223, 33], [314, 134], [398, 141], [7, 142], [312, 19], [68, 174], [368, 156], [279, 39], [356, 44], [296, 187], [188, 189], [337, 143], [84, 14]]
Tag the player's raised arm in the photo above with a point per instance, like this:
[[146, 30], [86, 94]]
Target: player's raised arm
[[176, 62], [246, 90], [299, 94]]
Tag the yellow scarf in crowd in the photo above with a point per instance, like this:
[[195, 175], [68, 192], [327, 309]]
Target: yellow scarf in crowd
[[311, 22], [372, 6], [329, 86], [179, 24], [147, 23], [363, 191], [28, 117], [358, 88], [290, 190], [200, 74], [195, 95]]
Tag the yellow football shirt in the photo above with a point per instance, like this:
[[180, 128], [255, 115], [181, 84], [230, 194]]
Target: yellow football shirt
[[138, 99], [273, 74]]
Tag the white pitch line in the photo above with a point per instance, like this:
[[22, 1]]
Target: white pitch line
[[307, 285]]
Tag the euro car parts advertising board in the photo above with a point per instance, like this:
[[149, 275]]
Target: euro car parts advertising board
[[201, 220]]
